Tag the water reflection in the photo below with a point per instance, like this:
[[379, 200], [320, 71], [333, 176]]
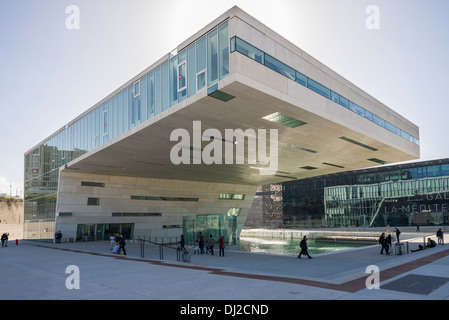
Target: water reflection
[[291, 246]]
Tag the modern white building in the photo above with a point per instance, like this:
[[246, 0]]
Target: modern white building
[[161, 155]]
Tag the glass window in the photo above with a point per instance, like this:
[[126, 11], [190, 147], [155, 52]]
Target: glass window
[[138, 110], [379, 121], [335, 97], [301, 79], [182, 76], [404, 135], [131, 109], [120, 113], [105, 122], [249, 50], [125, 110], [318, 88], [173, 69], [201, 57], [445, 170], [356, 108], [223, 50], [157, 91], [150, 103], [280, 67], [182, 56], [344, 102], [212, 57], [191, 70], [144, 98], [93, 201], [165, 85], [368, 115], [201, 80], [136, 89], [390, 127]]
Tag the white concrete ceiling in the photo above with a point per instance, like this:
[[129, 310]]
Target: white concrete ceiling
[[145, 150]]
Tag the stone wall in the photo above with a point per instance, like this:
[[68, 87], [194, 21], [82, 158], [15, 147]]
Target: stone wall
[[11, 210]]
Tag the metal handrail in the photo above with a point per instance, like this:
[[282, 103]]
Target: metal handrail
[[161, 248]]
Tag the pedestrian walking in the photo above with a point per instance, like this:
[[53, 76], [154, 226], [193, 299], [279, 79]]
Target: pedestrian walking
[[382, 242], [388, 244], [211, 244], [304, 248], [440, 237], [221, 245], [201, 242], [182, 243]]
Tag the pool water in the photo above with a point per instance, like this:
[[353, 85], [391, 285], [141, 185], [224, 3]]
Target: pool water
[[291, 246]]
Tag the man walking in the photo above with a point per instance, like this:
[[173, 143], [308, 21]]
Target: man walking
[[382, 242], [304, 248]]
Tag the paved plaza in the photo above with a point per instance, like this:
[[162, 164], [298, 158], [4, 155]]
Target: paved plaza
[[37, 270]]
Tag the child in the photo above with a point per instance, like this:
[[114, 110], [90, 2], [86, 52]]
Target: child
[[197, 248]]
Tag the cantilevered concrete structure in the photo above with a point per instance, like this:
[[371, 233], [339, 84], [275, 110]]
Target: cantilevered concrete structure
[[110, 170]]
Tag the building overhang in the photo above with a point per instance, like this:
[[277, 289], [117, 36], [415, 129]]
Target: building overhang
[[321, 143]]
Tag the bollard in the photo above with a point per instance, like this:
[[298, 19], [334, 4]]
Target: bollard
[[17, 242]]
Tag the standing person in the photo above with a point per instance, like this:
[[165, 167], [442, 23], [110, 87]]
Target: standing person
[[211, 245], [440, 237], [397, 233], [388, 244], [201, 242], [122, 244], [112, 240], [182, 243], [221, 245], [304, 248], [382, 242], [417, 227]]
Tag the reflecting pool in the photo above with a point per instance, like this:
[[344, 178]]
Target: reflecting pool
[[291, 246]]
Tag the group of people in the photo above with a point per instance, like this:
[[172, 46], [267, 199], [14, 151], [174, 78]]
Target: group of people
[[118, 244], [5, 239], [58, 237], [385, 241], [199, 245]]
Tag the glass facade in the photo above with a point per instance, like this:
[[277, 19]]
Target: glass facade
[[358, 195], [214, 225], [410, 202], [258, 55], [205, 61]]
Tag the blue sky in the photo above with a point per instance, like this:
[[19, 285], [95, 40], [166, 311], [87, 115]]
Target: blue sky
[[50, 74]]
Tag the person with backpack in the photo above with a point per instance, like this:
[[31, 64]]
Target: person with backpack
[[304, 248]]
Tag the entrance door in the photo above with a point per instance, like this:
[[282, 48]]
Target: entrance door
[[85, 232], [100, 232]]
